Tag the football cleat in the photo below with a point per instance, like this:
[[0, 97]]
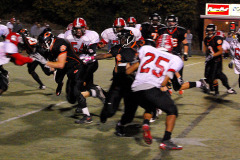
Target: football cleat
[[59, 89], [42, 87], [231, 91], [120, 130], [147, 134], [169, 145], [204, 86], [100, 94], [85, 119], [155, 116]]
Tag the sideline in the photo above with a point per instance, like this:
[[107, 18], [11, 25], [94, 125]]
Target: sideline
[[29, 113]]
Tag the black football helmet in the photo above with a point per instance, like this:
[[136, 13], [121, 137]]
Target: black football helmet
[[23, 32], [126, 37], [46, 40], [155, 19], [211, 30], [171, 21]]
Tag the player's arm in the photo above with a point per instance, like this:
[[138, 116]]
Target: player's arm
[[103, 56], [60, 63], [18, 59], [132, 68], [219, 52]]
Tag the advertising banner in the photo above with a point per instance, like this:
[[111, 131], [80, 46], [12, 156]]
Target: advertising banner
[[217, 9], [235, 9]]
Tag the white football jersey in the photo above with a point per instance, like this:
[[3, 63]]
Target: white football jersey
[[6, 47], [138, 26], [235, 52], [3, 30], [90, 37], [154, 64], [225, 45], [108, 35], [61, 35]]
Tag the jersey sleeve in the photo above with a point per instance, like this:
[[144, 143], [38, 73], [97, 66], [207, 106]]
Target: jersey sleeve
[[114, 50], [104, 36], [218, 41], [10, 48], [176, 64]]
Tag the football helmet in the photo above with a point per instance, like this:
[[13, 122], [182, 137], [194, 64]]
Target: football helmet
[[23, 32], [79, 27], [70, 26], [211, 30], [155, 19], [46, 40], [118, 24], [131, 21], [171, 21], [164, 43], [14, 38], [126, 37]]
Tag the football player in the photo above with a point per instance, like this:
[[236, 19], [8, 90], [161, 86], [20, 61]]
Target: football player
[[30, 45], [150, 29], [3, 33], [9, 52], [213, 63], [154, 70], [62, 56], [235, 54], [110, 35], [125, 54], [179, 35], [132, 22], [84, 42]]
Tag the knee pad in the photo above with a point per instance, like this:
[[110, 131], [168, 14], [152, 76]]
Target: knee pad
[[172, 110]]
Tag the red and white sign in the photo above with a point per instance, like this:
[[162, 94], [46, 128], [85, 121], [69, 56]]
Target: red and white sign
[[217, 9]]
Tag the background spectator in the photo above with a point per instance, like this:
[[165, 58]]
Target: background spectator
[[17, 26], [189, 39], [33, 30]]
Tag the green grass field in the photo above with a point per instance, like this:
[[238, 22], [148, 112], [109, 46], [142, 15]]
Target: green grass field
[[36, 124]]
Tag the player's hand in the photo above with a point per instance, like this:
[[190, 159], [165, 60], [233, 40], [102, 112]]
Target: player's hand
[[38, 57], [87, 59], [209, 57], [230, 65]]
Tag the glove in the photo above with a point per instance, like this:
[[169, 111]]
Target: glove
[[180, 80], [209, 57], [38, 57], [230, 65], [87, 59], [185, 56]]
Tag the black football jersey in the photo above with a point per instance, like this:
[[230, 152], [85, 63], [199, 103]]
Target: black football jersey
[[150, 32], [178, 35], [123, 55], [211, 44], [61, 46]]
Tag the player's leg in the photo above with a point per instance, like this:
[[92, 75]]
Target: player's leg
[[111, 103], [31, 70]]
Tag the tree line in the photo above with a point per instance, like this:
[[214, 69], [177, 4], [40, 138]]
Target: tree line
[[100, 14]]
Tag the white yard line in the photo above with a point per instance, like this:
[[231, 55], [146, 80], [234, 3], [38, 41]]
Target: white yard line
[[29, 113]]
